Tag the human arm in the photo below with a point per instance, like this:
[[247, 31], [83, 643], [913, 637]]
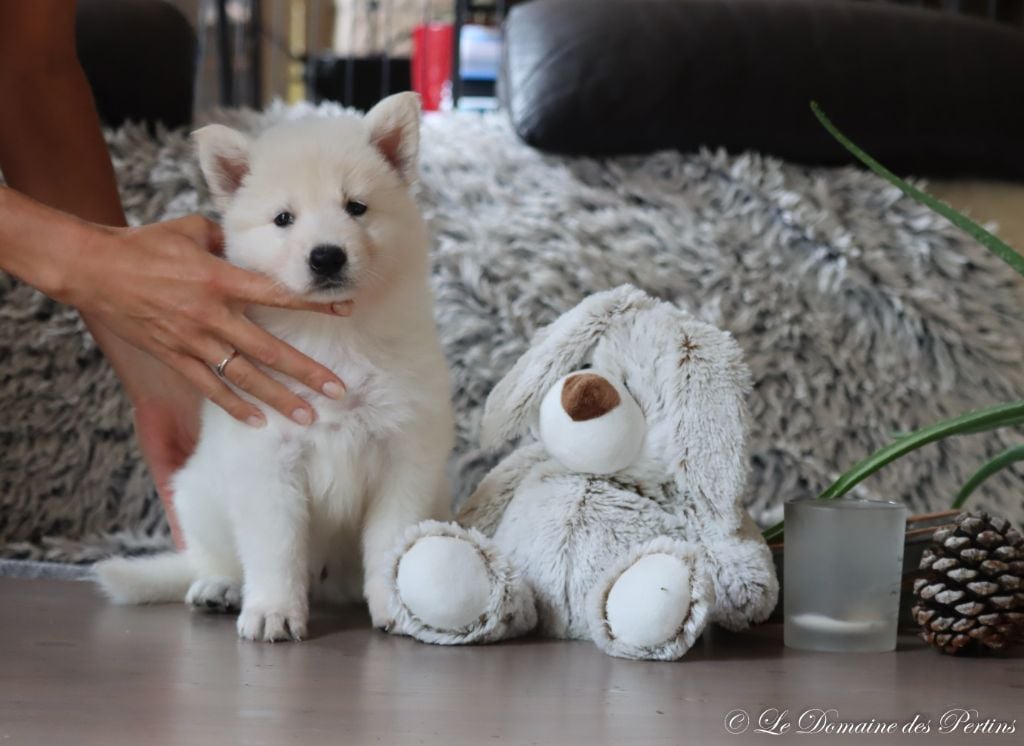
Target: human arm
[[160, 290], [124, 282], [52, 149]]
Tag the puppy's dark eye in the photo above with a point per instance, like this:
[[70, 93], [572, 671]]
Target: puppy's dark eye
[[355, 208], [586, 366], [283, 219]]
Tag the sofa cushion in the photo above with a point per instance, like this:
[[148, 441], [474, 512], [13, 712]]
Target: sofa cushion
[[924, 91]]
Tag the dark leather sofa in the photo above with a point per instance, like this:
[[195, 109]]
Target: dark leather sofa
[[926, 92], [140, 59]]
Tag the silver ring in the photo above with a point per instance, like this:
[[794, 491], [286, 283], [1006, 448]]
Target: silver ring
[[224, 363]]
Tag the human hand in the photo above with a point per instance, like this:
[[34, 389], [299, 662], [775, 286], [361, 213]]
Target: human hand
[[161, 289]]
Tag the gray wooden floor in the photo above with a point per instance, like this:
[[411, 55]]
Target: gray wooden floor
[[74, 670]]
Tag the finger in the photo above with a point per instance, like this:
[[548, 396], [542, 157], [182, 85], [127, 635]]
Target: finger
[[204, 379], [266, 349], [201, 230], [250, 287], [251, 379]]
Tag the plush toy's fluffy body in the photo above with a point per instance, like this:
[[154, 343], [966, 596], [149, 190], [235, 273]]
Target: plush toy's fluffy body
[[620, 520]]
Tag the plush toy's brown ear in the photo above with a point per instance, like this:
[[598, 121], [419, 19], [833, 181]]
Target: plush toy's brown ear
[[395, 131], [556, 350], [223, 158], [708, 444]]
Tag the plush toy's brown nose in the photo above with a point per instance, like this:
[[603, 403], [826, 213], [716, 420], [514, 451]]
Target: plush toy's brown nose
[[587, 396]]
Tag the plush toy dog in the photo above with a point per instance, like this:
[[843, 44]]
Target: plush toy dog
[[620, 520]]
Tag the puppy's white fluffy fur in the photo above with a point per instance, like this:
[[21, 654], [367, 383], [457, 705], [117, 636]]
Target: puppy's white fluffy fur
[[282, 510]]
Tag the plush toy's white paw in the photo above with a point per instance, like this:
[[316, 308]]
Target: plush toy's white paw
[[451, 586], [444, 582], [271, 625], [653, 603], [218, 595], [648, 603]]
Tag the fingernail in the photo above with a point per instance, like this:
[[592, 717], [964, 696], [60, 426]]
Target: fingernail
[[342, 309], [302, 416], [256, 420], [334, 390]]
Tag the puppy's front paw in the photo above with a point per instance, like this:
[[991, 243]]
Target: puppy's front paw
[[377, 599], [215, 595], [271, 625]]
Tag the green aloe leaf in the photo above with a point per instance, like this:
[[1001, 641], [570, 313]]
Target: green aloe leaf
[[1000, 462], [991, 418], [998, 247]]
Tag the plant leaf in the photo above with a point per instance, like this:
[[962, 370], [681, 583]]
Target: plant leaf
[[991, 418], [1000, 462], [774, 532], [998, 247], [1000, 415]]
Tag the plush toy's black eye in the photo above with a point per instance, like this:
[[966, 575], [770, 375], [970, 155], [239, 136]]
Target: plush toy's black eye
[[586, 366], [283, 219], [355, 208]]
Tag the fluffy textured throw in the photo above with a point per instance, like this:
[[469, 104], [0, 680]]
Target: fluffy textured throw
[[861, 315]]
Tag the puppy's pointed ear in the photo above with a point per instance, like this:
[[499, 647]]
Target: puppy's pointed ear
[[555, 351], [395, 131], [224, 159]]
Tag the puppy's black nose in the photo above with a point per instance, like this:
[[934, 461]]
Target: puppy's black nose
[[327, 260]]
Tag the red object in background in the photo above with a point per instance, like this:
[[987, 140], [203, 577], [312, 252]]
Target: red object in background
[[431, 62]]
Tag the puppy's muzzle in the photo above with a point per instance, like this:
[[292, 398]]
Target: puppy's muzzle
[[327, 263]]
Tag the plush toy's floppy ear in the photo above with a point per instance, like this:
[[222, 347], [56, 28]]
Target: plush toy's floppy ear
[[708, 442], [224, 159], [395, 131], [555, 351]]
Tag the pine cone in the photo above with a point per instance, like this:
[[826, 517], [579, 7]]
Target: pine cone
[[971, 594]]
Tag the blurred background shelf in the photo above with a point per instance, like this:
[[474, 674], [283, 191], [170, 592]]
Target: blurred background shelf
[[356, 51]]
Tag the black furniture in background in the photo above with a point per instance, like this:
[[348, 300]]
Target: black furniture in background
[[359, 82], [239, 49], [926, 92], [140, 59], [1006, 11]]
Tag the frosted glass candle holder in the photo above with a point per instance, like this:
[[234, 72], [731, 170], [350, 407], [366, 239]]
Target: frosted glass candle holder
[[841, 574]]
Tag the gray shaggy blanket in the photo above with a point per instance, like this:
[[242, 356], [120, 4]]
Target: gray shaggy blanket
[[862, 315]]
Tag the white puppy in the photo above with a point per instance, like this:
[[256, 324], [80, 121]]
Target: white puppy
[[270, 514]]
